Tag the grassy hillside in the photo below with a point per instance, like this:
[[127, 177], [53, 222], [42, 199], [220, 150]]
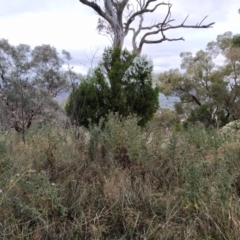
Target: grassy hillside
[[120, 183]]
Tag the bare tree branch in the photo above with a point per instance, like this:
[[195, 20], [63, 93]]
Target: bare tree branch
[[112, 21], [95, 7], [141, 12]]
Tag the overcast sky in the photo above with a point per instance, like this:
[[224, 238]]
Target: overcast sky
[[69, 25]]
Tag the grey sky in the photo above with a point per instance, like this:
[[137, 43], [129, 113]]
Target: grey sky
[[71, 26]]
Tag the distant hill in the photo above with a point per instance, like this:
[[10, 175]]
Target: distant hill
[[167, 102], [164, 102]]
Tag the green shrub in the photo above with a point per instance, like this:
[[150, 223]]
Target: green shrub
[[122, 83], [120, 182]]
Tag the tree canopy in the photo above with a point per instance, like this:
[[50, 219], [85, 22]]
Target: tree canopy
[[208, 93], [29, 80]]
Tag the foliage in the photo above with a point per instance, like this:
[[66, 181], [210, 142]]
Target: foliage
[[232, 128], [208, 93], [166, 119], [120, 182], [29, 80], [236, 40], [121, 83], [201, 114]]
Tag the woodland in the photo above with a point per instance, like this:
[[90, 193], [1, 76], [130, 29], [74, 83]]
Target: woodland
[[108, 162]]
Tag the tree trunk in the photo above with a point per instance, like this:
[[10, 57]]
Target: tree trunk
[[118, 36]]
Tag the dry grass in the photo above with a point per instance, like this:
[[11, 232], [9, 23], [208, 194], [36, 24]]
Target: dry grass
[[119, 185]]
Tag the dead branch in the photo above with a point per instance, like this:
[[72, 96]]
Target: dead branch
[[113, 15]]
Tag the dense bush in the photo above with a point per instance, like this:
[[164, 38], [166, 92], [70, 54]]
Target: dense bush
[[120, 182], [121, 83], [167, 119]]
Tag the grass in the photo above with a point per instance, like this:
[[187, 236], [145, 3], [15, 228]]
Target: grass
[[122, 182]]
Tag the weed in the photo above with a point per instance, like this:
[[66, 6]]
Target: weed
[[119, 181]]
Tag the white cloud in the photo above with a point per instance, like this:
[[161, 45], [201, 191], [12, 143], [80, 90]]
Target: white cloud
[[71, 26], [54, 28]]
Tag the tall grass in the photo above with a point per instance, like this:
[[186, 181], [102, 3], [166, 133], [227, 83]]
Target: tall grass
[[120, 182]]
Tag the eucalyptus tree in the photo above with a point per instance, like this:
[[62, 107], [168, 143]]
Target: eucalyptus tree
[[117, 19], [29, 80], [228, 46], [207, 92]]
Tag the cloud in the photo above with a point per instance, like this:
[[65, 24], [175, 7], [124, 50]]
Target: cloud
[[20, 7], [71, 26]]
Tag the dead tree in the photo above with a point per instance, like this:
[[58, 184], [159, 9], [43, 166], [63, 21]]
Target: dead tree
[[117, 17]]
